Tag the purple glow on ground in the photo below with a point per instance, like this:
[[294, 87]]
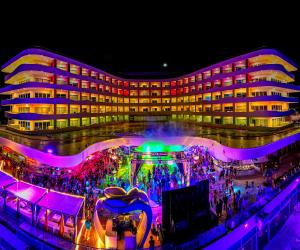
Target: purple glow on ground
[[288, 237]]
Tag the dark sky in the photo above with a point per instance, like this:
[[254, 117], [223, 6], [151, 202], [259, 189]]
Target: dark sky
[[122, 39], [140, 37]]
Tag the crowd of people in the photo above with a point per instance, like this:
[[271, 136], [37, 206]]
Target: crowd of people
[[101, 170], [89, 179]]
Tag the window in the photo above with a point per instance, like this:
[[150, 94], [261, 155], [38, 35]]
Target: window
[[227, 83], [23, 109], [228, 95], [240, 80], [208, 86], [277, 107], [42, 110], [26, 95], [73, 83], [74, 122], [61, 110], [24, 124], [259, 108], [61, 123], [264, 93], [85, 98], [59, 95], [74, 110], [276, 93], [217, 84], [41, 125], [237, 68], [228, 109], [241, 94], [61, 81], [74, 97]]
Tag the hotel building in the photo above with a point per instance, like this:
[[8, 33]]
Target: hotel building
[[51, 92]]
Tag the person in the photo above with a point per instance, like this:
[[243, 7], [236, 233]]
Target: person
[[87, 228], [225, 201], [219, 208], [235, 173], [157, 222], [153, 229], [151, 242], [228, 215]]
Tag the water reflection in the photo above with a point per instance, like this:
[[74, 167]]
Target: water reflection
[[73, 142]]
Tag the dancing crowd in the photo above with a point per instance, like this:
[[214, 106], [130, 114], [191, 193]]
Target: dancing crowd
[[101, 170], [89, 179]]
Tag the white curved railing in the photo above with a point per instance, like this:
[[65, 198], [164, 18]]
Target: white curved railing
[[220, 151]]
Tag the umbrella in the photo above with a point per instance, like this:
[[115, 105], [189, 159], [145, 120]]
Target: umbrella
[[62, 225], [46, 220]]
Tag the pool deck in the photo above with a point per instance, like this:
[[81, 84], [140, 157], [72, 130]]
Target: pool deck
[[74, 142]]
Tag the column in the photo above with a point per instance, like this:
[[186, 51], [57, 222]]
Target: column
[[247, 78], [247, 106], [247, 63], [80, 109], [54, 63], [54, 111], [233, 106], [31, 123], [138, 96], [89, 87], [160, 91]]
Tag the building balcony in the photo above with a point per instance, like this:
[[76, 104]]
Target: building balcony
[[46, 69], [37, 85], [66, 101]]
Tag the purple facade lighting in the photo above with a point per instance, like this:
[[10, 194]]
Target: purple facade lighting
[[78, 95]]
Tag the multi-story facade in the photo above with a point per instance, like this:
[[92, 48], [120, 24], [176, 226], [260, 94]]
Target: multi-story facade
[[49, 92]]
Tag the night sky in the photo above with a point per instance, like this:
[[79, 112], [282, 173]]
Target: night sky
[[121, 41]]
